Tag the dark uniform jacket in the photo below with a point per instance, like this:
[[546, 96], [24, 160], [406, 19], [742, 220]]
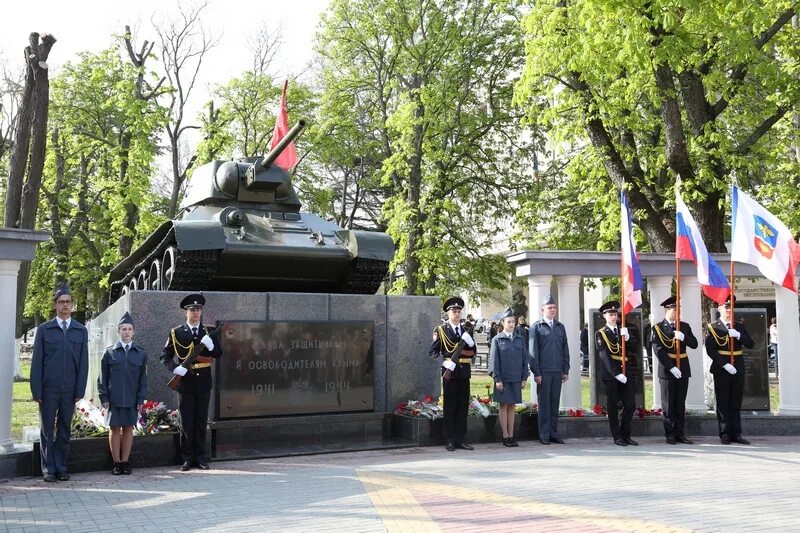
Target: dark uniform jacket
[[439, 349], [548, 347], [611, 356], [60, 362], [123, 377], [509, 358], [718, 348], [195, 380], [664, 344]]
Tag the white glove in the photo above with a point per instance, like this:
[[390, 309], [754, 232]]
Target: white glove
[[449, 365], [180, 371], [467, 339], [621, 378], [729, 368], [679, 335], [733, 333], [676, 372], [209, 344], [624, 333]]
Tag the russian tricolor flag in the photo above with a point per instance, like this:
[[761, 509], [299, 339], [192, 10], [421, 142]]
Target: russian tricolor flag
[[631, 277], [689, 245]]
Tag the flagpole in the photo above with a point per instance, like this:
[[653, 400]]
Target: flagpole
[[733, 324], [677, 310], [622, 288]]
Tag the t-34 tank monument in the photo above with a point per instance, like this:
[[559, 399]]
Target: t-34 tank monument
[[241, 229], [313, 359]]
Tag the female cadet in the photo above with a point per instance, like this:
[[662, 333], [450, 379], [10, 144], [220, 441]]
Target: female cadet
[[122, 386], [509, 357]]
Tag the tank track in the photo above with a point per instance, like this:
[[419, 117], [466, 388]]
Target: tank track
[[365, 276]]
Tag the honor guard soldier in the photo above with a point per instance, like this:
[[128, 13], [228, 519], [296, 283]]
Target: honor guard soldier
[[455, 349], [674, 371], [194, 390], [618, 386], [727, 367]]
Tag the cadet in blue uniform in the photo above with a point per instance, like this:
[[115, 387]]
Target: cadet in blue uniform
[[509, 358], [59, 370], [194, 390], [728, 378], [550, 367], [122, 386], [455, 349], [618, 387], [674, 371]]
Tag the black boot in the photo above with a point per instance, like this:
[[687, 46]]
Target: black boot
[[117, 470], [126, 468]]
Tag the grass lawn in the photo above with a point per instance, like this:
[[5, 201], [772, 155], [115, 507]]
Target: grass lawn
[[24, 411]]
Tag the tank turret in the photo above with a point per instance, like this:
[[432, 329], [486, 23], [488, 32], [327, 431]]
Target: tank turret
[[241, 228]]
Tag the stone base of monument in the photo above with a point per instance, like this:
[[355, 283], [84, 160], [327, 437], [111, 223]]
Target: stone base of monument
[[427, 432], [301, 435]]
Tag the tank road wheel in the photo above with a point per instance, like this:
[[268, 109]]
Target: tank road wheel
[[168, 265], [155, 281], [141, 280], [133, 284]]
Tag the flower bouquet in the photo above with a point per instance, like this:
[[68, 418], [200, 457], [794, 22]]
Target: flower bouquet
[[641, 412], [154, 417], [599, 410], [425, 408], [88, 420], [482, 407], [526, 408]]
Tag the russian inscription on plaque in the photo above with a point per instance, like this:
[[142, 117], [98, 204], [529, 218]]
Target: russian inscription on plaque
[[290, 368]]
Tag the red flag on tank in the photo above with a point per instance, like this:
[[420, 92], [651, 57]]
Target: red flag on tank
[[288, 157]]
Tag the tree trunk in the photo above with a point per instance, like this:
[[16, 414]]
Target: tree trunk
[[131, 209], [411, 266]]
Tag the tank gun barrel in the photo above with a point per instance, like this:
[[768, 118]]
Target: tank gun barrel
[[281, 146]]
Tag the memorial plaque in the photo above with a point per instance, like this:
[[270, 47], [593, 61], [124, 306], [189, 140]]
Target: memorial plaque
[[756, 360], [634, 366], [291, 368]]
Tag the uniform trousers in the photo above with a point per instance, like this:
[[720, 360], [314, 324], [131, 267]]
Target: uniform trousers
[[673, 405], [620, 423], [55, 423], [728, 390], [193, 407], [456, 406], [548, 394]]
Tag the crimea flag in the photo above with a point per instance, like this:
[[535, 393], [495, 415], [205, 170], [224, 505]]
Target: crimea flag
[[760, 239]]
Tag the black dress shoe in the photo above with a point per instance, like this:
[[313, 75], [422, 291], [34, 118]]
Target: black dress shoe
[[49, 478], [672, 440], [202, 465], [631, 442], [186, 466], [620, 442], [740, 440], [514, 442], [725, 439], [117, 469], [464, 446], [557, 440], [62, 476], [685, 440], [545, 442], [450, 447], [507, 443], [126, 468]]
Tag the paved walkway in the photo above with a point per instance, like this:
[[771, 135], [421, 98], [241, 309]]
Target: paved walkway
[[591, 485]]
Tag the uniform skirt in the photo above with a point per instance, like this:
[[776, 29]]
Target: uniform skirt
[[123, 416], [511, 393]]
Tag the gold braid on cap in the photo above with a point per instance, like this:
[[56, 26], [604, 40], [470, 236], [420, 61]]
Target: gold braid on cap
[[663, 338]]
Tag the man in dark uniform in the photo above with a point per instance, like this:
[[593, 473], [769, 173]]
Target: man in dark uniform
[[674, 371], [550, 367], [618, 387], [455, 349], [194, 390], [59, 371], [728, 369]]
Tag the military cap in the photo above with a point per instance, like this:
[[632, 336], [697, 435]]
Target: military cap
[[612, 306], [670, 303], [126, 319], [453, 303], [507, 313], [193, 300], [727, 303], [62, 290], [548, 300]]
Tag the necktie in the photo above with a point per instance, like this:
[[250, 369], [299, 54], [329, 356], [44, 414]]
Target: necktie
[[458, 331], [126, 348], [194, 331], [64, 326]]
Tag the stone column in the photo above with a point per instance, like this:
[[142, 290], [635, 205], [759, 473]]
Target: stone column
[[692, 314], [570, 315], [660, 288], [788, 341], [538, 288], [9, 269]]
